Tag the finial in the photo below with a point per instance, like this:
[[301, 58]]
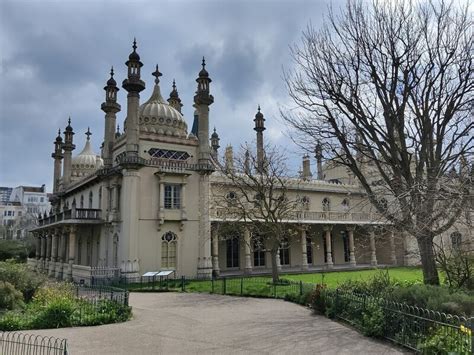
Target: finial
[[88, 133], [174, 84], [258, 107], [134, 44], [214, 129], [69, 121], [203, 62], [112, 71], [59, 131], [157, 75], [118, 128]]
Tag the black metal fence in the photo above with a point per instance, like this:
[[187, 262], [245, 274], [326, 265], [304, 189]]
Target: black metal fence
[[416, 328], [15, 343]]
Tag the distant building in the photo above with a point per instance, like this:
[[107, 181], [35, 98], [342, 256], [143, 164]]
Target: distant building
[[5, 193], [35, 199]]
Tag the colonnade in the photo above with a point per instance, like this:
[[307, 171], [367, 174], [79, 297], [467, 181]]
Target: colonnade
[[246, 237]]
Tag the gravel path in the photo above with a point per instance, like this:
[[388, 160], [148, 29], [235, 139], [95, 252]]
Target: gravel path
[[193, 323]]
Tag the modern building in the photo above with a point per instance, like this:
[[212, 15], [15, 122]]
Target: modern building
[[146, 202], [5, 193]]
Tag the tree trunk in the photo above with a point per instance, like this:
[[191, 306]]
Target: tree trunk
[[274, 254], [428, 262]]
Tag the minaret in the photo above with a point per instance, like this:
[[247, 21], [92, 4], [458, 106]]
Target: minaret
[[57, 156], [318, 154], [215, 144], [68, 147], [117, 133], [247, 167], [229, 158], [203, 100], [174, 99], [259, 128], [110, 107], [133, 85], [306, 173]]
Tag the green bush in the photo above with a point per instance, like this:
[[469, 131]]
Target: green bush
[[446, 340], [18, 250], [13, 320], [10, 297], [57, 314], [22, 278], [303, 299], [317, 299], [373, 320]]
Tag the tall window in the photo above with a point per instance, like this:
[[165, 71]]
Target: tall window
[[309, 250], [100, 197], [232, 252], [345, 205], [172, 196], [285, 252], [326, 204], [91, 197], [456, 241], [258, 251], [168, 250], [345, 242], [82, 202]]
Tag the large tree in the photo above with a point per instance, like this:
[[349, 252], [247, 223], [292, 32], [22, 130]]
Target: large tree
[[387, 88], [254, 195]]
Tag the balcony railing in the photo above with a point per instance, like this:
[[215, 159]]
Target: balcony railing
[[75, 213], [309, 216]]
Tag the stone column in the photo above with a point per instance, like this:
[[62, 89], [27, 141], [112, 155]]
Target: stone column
[[43, 252], [72, 251], [304, 251], [393, 256], [248, 260], [329, 262], [373, 254], [54, 251], [48, 252], [38, 247], [352, 259], [161, 215], [278, 262], [215, 252]]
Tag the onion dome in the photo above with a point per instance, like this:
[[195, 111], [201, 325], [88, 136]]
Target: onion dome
[[157, 116], [111, 81], [134, 55], [68, 127], [203, 73], [86, 162], [59, 139]]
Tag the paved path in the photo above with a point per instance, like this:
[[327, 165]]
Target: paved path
[[193, 323]]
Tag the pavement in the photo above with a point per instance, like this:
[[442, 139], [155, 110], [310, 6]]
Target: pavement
[[197, 323]]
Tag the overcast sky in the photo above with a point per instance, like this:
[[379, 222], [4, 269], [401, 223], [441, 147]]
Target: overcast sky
[[56, 56]]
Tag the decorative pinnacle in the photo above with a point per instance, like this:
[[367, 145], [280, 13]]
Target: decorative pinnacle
[[174, 84], [88, 133], [112, 71], [134, 44], [59, 131], [69, 121], [203, 62], [157, 75], [118, 128], [258, 107]]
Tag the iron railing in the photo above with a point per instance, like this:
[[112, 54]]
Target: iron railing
[[413, 327], [13, 343]]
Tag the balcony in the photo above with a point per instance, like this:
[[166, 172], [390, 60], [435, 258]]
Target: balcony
[[75, 215], [310, 217]]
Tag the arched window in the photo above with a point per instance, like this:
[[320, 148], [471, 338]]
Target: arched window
[[326, 204], [456, 241], [168, 250], [233, 251], [285, 252], [345, 205], [91, 197], [258, 246], [74, 202], [82, 202], [231, 198]]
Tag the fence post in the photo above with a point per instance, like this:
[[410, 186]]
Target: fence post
[[111, 295], [182, 283], [224, 286], [301, 288], [274, 290], [212, 284], [241, 286]]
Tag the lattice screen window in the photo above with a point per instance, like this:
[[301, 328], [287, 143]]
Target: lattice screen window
[[168, 154], [168, 250]]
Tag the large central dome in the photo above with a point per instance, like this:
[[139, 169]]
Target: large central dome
[[157, 116]]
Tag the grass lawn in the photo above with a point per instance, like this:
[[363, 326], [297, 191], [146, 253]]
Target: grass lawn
[[334, 278], [261, 286]]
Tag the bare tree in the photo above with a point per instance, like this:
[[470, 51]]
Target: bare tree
[[387, 88], [257, 198]]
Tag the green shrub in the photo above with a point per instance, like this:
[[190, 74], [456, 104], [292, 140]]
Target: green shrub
[[446, 340], [17, 250], [22, 278], [57, 314], [10, 298], [318, 300], [303, 299], [13, 320], [373, 320]]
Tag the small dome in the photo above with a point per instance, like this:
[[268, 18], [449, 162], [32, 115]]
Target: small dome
[[86, 162], [156, 115], [203, 73]]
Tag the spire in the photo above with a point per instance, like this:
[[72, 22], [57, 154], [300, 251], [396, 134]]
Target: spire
[[117, 133], [259, 121], [174, 100], [157, 75], [88, 134], [203, 73]]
